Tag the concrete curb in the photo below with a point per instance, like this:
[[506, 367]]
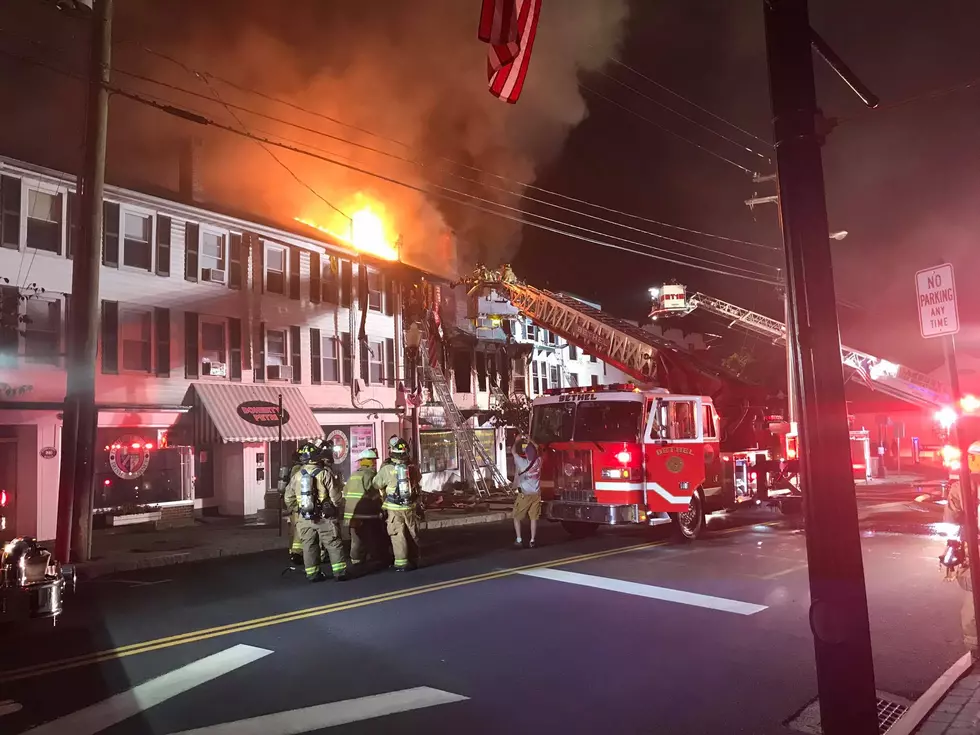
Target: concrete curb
[[924, 705], [94, 569]]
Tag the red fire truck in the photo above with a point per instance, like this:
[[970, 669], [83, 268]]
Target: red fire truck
[[615, 455]]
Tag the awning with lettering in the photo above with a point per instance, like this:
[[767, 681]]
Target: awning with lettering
[[239, 412]]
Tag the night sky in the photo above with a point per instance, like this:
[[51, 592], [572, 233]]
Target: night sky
[[902, 180]]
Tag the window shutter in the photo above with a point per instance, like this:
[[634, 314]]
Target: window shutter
[[362, 349], [315, 287], [164, 225], [10, 212], [161, 318], [259, 272], [316, 359], [110, 337], [260, 355], [192, 361], [110, 234], [235, 348], [192, 235], [389, 295], [390, 361], [296, 355], [235, 262], [346, 282], [294, 274], [74, 223], [347, 355], [9, 316]]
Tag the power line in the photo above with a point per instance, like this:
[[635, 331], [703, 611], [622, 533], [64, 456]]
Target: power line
[[924, 96], [695, 105], [682, 116], [665, 129]]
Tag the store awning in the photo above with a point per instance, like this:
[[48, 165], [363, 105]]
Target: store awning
[[233, 412]]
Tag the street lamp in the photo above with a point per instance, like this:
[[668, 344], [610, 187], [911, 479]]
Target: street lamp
[[839, 235]]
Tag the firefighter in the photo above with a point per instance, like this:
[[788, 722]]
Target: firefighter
[[398, 482], [956, 562], [362, 507], [314, 494], [296, 546]]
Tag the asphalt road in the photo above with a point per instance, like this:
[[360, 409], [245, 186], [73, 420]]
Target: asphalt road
[[626, 632]]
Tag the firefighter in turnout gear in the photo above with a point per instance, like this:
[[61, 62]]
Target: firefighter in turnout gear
[[362, 508], [296, 546], [398, 482], [955, 563], [314, 494]]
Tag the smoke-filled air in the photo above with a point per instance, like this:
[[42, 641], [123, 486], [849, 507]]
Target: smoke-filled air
[[406, 78]]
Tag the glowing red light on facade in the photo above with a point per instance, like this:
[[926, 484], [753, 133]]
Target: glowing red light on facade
[[624, 457], [107, 482], [147, 446], [3, 498]]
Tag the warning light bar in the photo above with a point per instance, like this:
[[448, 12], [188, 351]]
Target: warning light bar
[[614, 387]]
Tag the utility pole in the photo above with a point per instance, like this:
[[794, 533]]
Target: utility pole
[[839, 605], [74, 529]]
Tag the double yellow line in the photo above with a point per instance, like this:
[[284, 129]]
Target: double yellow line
[[133, 649]]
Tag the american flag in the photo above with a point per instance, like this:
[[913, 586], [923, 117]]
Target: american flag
[[508, 26]]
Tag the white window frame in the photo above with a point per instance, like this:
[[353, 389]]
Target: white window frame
[[284, 331], [225, 236], [149, 215], [334, 340], [376, 356], [45, 187], [371, 272], [223, 323], [268, 247], [148, 313], [57, 361]]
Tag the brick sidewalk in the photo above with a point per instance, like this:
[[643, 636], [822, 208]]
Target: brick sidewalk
[[958, 713], [120, 550]]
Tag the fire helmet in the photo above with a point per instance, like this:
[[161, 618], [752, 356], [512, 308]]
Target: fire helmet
[[368, 455], [398, 448]]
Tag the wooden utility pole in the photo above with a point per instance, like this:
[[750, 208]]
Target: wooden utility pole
[[839, 605], [74, 529]]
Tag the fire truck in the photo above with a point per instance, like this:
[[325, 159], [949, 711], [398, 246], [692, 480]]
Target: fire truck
[[619, 454]]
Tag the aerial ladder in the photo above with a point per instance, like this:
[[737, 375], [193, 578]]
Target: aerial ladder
[[486, 476], [896, 381]]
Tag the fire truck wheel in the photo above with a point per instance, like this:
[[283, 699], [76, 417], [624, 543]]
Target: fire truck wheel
[[579, 529], [690, 524]]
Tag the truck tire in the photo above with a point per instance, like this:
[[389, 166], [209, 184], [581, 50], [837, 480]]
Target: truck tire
[[690, 525], [579, 529]]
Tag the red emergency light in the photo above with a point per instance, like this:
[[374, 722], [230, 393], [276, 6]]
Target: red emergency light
[[3, 498], [624, 457]]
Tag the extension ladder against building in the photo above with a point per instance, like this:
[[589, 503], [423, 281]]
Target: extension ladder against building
[[486, 475]]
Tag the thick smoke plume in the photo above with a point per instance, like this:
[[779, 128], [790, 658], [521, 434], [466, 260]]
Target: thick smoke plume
[[410, 71]]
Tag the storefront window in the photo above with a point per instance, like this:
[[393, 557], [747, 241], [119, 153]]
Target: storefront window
[[488, 439], [438, 451], [132, 469]]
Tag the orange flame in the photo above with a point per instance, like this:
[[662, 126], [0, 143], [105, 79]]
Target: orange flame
[[366, 230]]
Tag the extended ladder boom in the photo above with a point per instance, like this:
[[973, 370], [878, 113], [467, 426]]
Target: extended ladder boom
[[887, 377]]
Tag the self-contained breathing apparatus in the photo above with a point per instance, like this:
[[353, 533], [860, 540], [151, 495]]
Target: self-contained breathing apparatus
[[401, 493], [311, 506]]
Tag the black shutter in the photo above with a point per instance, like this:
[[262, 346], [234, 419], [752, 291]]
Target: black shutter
[[294, 274], [10, 212], [346, 282], [110, 337], [259, 271], [10, 325], [74, 223], [192, 361], [296, 355], [235, 348], [316, 360], [347, 358], [315, 278], [110, 234], [164, 226], [362, 348], [389, 295], [235, 262], [260, 355], [390, 361], [161, 317], [192, 234]]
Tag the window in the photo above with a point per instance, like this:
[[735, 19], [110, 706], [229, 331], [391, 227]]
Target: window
[[675, 420], [44, 221], [573, 380], [214, 348], [137, 251], [42, 330], [275, 347], [9, 212], [552, 422], [595, 381], [330, 355], [708, 418], [592, 358], [608, 421], [532, 333], [135, 340], [330, 280], [555, 376], [376, 362], [212, 253], [438, 451], [572, 352], [275, 270], [535, 384], [375, 289]]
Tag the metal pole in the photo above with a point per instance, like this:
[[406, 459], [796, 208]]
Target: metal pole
[[792, 394], [74, 526], [839, 605], [282, 461], [966, 482]]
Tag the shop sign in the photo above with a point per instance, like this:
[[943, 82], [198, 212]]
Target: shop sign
[[14, 391], [341, 446], [361, 438], [261, 413], [49, 453], [129, 456]]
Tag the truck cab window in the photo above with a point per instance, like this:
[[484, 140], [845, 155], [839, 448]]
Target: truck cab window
[[553, 422], [683, 420], [708, 425]]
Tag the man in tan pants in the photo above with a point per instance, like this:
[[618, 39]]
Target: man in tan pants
[[527, 462]]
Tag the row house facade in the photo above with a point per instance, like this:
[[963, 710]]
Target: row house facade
[[207, 318]]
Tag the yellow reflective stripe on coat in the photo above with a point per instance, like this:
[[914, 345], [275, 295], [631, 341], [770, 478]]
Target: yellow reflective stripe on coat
[[395, 506]]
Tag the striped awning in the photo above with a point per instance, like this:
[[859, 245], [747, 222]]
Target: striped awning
[[239, 412]]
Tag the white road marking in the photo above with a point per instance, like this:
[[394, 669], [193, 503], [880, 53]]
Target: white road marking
[[115, 709], [331, 714], [138, 583], [9, 706], [647, 590]]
